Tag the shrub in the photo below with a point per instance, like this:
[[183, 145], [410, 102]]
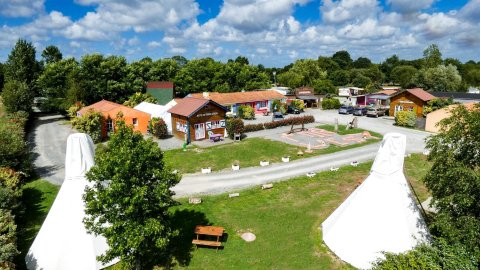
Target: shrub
[[13, 152], [72, 111], [17, 96], [437, 256], [8, 247], [90, 123], [253, 127], [330, 103], [299, 104], [246, 112], [158, 127], [278, 106], [234, 125], [406, 119]]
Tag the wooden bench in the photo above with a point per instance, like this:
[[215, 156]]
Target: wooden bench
[[212, 231]]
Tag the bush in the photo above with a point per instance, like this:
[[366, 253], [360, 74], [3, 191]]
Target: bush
[[234, 125], [90, 123], [437, 256], [72, 111], [16, 96], [253, 127], [246, 112], [278, 106], [330, 103], [158, 127], [406, 119], [13, 152], [297, 103], [8, 247]]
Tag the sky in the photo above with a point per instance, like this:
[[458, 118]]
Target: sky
[[269, 32]]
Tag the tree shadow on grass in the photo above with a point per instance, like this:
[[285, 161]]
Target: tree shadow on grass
[[180, 250], [29, 223]]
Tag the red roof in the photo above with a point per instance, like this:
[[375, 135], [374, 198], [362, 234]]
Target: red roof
[[241, 97], [111, 108], [190, 105], [168, 85], [421, 94]]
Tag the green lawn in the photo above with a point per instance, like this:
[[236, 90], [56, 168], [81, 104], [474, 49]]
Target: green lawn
[[248, 152], [285, 219], [37, 198]]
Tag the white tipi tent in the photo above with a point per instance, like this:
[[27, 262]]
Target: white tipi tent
[[380, 215], [62, 242]]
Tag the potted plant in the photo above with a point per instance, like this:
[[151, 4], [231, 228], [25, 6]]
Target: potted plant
[[286, 158], [264, 162], [207, 170], [236, 165]]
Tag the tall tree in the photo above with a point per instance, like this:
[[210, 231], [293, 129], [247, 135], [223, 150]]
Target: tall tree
[[362, 62], [199, 75], [454, 179], [51, 54], [326, 63], [388, 65], [406, 76], [21, 64], [2, 77], [242, 60], [343, 59], [432, 56], [339, 77], [16, 96], [132, 210], [441, 78], [303, 73]]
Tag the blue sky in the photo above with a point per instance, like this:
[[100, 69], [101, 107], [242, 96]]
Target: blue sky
[[270, 32]]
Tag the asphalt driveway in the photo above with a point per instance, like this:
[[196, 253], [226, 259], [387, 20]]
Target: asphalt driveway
[[48, 143]]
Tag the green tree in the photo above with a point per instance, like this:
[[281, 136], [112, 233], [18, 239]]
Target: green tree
[[138, 98], [132, 210], [324, 87], [16, 96], [388, 65], [432, 56], [163, 70], [242, 60], [181, 61], [326, 63], [138, 74], [303, 73], [362, 62], [51, 54], [339, 77], [2, 77], [90, 123], [21, 64], [406, 76], [472, 77], [199, 75], [52, 82], [454, 178], [343, 59], [441, 78]]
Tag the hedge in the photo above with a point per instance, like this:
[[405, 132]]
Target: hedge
[[330, 103], [406, 119], [285, 122]]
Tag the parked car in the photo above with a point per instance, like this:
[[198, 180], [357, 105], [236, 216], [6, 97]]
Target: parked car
[[375, 112], [277, 116], [294, 110], [344, 109], [360, 111]]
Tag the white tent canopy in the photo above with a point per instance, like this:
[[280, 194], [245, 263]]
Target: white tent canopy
[[159, 111], [380, 215], [62, 242]]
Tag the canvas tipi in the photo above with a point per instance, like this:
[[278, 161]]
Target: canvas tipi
[[62, 242], [380, 215]]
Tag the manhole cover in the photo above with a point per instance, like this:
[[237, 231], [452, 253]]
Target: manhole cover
[[249, 237]]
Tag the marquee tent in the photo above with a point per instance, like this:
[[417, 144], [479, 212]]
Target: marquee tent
[[380, 215], [160, 111], [62, 242]]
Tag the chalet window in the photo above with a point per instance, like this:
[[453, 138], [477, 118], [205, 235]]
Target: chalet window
[[262, 104], [109, 125], [410, 109], [135, 122], [182, 127]]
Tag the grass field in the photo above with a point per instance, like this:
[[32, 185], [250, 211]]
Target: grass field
[[248, 152], [285, 219], [38, 197]]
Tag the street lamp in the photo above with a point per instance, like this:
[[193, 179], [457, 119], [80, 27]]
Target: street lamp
[[274, 79]]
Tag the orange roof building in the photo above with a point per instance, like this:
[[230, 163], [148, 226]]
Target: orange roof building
[[410, 100], [135, 118], [260, 101]]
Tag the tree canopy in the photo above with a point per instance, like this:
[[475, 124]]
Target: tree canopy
[[129, 199]]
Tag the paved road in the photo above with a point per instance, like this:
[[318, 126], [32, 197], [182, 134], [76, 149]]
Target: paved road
[[48, 141], [221, 182]]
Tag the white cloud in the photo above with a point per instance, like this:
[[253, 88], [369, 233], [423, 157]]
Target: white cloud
[[21, 8], [154, 44], [366, 29], [345, 10], [409, 6], [133, 41]]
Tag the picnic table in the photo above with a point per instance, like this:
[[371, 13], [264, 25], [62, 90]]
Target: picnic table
[[208, 232], [215, 137]]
